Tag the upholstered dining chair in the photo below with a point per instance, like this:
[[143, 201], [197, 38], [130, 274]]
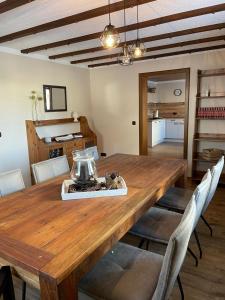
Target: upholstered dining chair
[[50, 168], [130, 273], [158, 224], [11, 182], [93, 151], [177, 198]]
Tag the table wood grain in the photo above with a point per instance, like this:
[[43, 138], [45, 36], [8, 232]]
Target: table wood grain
[[52, 243]]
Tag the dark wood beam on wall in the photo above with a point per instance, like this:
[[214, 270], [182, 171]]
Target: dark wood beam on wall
[[145, 24], [189, 51], [86, 15], [12, 4], [157, 48], [146, 39]]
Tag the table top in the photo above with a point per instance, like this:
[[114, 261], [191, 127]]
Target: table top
[[44, 235]]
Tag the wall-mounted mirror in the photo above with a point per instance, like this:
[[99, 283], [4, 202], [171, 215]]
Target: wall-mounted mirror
[[55, 98]]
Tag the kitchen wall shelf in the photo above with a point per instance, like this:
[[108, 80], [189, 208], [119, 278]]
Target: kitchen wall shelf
[[206, 137]]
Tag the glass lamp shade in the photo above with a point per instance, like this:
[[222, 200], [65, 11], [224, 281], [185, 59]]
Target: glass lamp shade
[[110, 38], [125, 58], [138, 49]]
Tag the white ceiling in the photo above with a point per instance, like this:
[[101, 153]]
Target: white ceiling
[[42, 11]]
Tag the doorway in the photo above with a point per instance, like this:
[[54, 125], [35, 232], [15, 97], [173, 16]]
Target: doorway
[[163, 113]]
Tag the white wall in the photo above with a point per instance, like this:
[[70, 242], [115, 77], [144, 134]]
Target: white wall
[[165, 92], [115, 98], [18, 77]]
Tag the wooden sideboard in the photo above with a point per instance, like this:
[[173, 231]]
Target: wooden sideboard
[[39, 150]]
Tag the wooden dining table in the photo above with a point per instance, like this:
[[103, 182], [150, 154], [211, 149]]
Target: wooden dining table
[[51, 243]]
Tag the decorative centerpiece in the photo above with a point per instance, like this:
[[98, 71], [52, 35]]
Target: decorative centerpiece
[[85, 183]]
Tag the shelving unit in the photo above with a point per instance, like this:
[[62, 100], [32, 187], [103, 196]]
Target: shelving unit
[[206, 137]]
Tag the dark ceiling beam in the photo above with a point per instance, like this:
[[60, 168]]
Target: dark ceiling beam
[[146, 39], [163, 55], [157, 48], [149, 23], [12, 4], [86, 15]]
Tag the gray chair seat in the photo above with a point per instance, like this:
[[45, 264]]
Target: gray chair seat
[[157, 224], [124, 273], [176, 198]]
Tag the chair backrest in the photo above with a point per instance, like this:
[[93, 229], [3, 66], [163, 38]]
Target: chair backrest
[[178, 243], [50, 168], [11, 182], [216, 172], [175, 253], [201, 193], [92, 151]]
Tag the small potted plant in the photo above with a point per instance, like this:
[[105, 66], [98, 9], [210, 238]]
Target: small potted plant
[[35, 102]]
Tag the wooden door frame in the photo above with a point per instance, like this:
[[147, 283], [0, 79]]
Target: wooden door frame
[[143, 122]]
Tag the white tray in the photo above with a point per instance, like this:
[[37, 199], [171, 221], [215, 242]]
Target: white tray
[[81, 195]]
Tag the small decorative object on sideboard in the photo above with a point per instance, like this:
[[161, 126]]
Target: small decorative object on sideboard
[[86, 184]]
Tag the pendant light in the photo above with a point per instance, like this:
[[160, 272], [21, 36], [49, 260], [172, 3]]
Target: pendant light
[[110, 37], [125, 57], [138, 49]]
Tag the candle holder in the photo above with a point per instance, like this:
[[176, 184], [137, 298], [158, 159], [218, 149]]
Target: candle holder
[[83, 173]]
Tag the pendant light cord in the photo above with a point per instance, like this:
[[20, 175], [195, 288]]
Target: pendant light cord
[[137, 20], [109, 12], [124, 21]]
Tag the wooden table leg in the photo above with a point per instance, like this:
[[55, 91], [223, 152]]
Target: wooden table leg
[[67, 289], [181, 181], [6, 284]]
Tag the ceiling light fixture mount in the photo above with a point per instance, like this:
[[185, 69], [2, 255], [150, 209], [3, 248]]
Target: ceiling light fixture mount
[[110, 37], [138, 49], [125, 57]]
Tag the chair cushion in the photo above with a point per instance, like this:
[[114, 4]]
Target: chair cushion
[[157, 224], [176, 198], [124, 273]]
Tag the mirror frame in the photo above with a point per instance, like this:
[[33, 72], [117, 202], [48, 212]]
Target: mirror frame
[[45, 102]]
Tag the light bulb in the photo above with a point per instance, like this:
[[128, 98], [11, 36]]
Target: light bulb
[[137, 52], [110, 37], [110, 41], [138, 49]]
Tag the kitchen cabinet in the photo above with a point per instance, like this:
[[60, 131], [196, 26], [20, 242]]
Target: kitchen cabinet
[[156, 132], [175, 129]]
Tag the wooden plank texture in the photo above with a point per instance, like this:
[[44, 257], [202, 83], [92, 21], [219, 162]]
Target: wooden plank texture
[[59, 241], [169, 110]]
